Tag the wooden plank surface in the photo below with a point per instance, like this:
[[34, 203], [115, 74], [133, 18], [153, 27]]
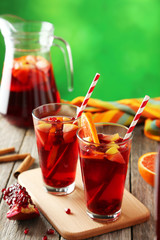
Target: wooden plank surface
[[144, 192], [24, 141]]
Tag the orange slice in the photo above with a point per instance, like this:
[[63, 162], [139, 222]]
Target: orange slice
[[89, 127], [146, 167]]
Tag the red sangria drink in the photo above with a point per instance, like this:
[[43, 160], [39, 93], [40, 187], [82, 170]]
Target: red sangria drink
[[104, 168], [55, 129], [30, 85]]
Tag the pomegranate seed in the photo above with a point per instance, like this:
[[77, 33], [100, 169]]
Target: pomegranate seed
[[68, 211], [52, 119], [26, 231], [50, 231], [44, 238]]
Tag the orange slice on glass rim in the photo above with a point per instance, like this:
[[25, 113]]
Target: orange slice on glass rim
[[146, 167], [89, 128]]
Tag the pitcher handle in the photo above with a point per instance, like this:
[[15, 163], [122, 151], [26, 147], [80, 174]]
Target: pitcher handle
[[67, 58]]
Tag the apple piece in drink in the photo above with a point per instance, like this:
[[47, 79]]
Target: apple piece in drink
[[58, 150], [104, 169]]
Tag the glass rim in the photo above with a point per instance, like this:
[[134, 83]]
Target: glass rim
[[65, 104], [105, 123]]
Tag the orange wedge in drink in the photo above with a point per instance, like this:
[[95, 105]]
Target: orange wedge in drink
[[146, 167], [89, 128]]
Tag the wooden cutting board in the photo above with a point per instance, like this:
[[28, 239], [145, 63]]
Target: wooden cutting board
[[78, 225]]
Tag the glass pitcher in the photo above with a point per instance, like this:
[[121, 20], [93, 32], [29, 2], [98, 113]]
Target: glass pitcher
[[28, 79]]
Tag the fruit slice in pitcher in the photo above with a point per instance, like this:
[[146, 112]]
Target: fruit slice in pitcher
[[27, 66]]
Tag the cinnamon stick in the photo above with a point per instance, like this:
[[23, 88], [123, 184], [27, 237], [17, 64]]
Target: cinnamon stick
[[25, 165], [13, 157], [6, 150]]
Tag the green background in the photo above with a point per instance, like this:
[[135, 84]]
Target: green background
[[120, 39]]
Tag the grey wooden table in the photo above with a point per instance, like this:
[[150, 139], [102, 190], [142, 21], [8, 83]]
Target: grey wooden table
[[24, 142]]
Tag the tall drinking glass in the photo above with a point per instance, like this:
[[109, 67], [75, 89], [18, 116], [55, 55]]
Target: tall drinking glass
[[104, 169], [55, 129]]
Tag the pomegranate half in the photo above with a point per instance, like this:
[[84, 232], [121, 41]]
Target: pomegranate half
[[20, 203]]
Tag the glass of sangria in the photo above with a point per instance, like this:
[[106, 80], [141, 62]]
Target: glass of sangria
[[55, 129], [104, 168]]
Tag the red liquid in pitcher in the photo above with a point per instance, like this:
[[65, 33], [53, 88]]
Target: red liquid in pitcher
[[58, 151], [32, 84], [104, 175]]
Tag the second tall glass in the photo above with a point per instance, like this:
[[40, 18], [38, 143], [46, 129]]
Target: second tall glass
[[104, 169]]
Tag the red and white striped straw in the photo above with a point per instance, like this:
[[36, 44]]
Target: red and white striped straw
[[136, 118], [87, 97]]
